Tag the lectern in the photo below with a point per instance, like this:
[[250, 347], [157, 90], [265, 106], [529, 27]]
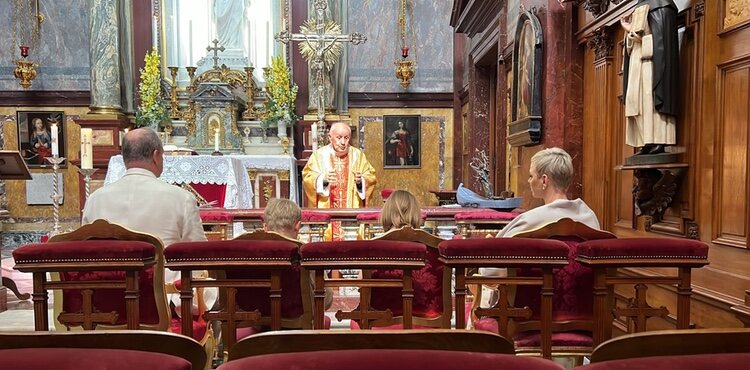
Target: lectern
[[12, 167]]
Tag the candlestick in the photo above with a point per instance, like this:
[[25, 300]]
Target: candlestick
[[56, 196], [87, 157], [87, 172], [53, 129]]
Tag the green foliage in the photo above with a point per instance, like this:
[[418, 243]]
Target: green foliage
[[282, 94], [152, 109]]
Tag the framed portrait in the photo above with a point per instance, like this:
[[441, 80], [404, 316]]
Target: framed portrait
[[402, 146], [35, 136], [526, 105]]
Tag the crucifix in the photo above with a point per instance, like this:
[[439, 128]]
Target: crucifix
[[216, 49], [321, 44]]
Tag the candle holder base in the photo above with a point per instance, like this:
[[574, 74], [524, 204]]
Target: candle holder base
[[217, 153], [56, 196]]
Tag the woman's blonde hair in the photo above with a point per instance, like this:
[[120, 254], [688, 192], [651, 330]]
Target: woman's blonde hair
[[401, 209], [556, 164]]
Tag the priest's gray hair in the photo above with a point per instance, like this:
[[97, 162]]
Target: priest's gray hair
[[556, 164], [139, 145]]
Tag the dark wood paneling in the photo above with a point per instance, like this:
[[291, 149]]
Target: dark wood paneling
[[38, 98], [398, 100], [731, 198]]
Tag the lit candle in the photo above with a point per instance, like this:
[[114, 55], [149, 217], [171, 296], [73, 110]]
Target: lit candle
[[87, 157], [53, 129], [216, 139], [314, 136]]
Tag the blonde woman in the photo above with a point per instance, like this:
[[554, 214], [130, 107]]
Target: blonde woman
[[399, 210]]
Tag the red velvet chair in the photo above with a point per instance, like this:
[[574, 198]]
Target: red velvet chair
[[572, 301], [247, 264], [607, 256], [84, 263], [707, 349], [507, 253], [363, 254], [112, 350], [103, 276], [482, 223], [367, 350], [432, 306]]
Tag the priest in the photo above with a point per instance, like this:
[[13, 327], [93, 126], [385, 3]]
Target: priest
[[337, 175]]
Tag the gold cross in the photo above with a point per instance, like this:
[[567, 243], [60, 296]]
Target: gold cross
[[216, 49]]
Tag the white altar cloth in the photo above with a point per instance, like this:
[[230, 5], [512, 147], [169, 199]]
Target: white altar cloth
[[273, 162], [202, 169]]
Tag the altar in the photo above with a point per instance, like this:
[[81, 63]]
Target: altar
[[207, 174]]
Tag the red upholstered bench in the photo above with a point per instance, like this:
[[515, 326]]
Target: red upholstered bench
[[363, 254], [608, 255], [113, 350], [98, 259], [461, 254], [274, 256], [482, 222], [418, 349], [217, 222]]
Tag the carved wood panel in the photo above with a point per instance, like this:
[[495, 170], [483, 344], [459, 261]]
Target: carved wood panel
[[736, 12], [732, 155]]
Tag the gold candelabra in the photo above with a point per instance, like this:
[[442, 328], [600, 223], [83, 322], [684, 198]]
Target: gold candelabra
[[191, 74], [249, 113], [174, 109]]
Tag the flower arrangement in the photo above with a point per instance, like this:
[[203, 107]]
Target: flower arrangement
[[282, 94], [152, 109]]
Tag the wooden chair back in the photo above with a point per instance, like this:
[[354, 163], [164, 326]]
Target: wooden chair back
[[674, 343], [103, 230], [433, 271], [136, 340], [305, 283]]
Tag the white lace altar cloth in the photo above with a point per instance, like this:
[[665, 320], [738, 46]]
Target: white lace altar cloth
[[200, 169]]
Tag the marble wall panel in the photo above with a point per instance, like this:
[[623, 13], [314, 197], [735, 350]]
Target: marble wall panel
[[371, 67], [436, 170], [63, 51]]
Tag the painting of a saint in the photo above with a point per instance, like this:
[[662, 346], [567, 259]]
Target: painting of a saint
[[35, 136], [525, 70], [401, 144]]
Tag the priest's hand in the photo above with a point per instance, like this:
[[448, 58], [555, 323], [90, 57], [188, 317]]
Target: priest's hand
[[330, 177], [358, 177]]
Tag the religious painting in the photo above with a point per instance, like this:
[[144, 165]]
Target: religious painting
[[526, 104], [402, 145], [40, 134]]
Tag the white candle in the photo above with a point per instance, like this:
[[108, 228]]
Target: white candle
[[53, 129], [314, 136], [216, 139], [87, 155], [190, 42]]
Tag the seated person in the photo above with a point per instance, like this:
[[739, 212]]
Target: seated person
[[399, 210], [284, 217], [141, 202], [549, 177]]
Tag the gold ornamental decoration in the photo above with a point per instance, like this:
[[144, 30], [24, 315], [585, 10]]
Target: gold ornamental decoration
[[405, 67], [26, 30]]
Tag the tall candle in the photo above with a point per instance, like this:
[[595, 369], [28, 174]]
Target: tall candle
[[87, 155], [216, 139], [314, 136], [53, 129]]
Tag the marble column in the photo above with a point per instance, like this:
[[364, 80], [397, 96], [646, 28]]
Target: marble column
[[126, 57], [104, 52]]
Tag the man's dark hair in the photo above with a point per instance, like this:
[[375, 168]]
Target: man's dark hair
[[139, 145]]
